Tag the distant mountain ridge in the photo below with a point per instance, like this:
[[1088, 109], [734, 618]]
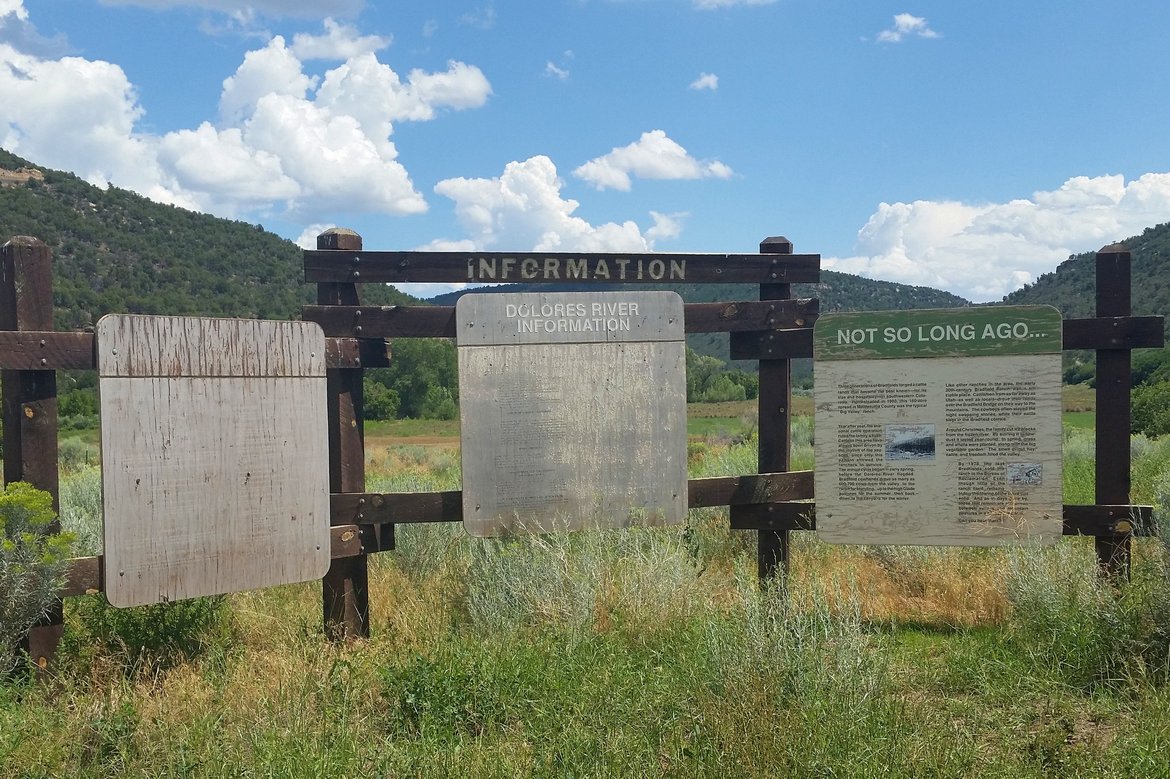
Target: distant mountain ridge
[[1072, 287]]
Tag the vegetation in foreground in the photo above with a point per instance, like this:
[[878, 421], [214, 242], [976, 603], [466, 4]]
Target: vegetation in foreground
[[627, 653]]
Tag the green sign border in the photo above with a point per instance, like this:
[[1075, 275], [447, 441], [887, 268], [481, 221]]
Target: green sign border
[[978, 331]]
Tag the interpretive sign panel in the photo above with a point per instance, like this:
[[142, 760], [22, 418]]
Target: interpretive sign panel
[[939, 427], [572, 410], [214, 455]]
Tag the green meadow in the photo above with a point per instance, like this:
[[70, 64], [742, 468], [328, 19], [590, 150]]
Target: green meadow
[[640, 653]]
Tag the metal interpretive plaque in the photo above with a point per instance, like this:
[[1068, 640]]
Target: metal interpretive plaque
[[572, 410], [214, 455], [939, 427]]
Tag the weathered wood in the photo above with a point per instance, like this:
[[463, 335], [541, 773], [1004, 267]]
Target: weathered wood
[[345, 587], [356, 353], [1120, 332], [774, 520], [213, 440], [30, 402], [751, 315], [558, 267], [750, 489], [46, 350], [775, 424], [422, 507], [773, 345], [439, 321], [1112, 465], [49, 350], [384, 321], [398, 508], [572, 410], [1108, 521], [84, 577], [1113, 522], [177, 347]]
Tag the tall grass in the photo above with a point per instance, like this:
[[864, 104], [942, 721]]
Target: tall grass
[[1088, 630], [646, 652]]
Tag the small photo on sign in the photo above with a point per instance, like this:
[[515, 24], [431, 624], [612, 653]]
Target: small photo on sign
[[1024, 474], [914, 443]]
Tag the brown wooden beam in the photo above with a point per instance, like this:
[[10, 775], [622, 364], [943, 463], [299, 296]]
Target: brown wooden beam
[[775, 415], [345, 587], [46, 350], [30, 403], [554, 267], [422, 507], [774, 345], [1108, 522], [383, 321], [1115, 332], [1112, 466], [439, 321], [356, 353]]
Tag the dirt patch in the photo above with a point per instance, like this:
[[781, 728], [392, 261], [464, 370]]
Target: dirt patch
[[414, 440]]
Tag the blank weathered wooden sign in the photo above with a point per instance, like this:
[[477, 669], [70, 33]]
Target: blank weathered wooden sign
[[214, 455], [572, 409]]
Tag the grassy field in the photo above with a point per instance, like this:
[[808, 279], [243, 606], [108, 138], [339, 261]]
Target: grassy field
[[634, 653]]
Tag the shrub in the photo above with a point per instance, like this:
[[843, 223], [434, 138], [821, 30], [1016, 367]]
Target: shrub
[[73, 453], [379, 401], [32, 563], [1089, 632], [147, 639], [81, 508], [1151, 409]]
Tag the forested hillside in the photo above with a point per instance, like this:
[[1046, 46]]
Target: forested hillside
[[115, 251], [1072, 286]]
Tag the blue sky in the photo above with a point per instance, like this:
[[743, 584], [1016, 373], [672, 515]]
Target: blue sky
[[965, 146]]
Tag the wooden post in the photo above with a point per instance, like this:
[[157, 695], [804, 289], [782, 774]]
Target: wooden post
[[345, 588], [1113, 408], [30, 402], [775, 431]]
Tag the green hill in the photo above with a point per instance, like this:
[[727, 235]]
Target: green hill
[[115, 251], [1072, 286]]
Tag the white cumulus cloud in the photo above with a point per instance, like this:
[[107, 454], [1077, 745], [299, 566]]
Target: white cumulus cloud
[[666, 226], [340, 42], [273, 70], [284, 142], [14, 8], [906, 26], [984, 251], [706, 81], [523, 209], [74, 114], [653, 156]]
